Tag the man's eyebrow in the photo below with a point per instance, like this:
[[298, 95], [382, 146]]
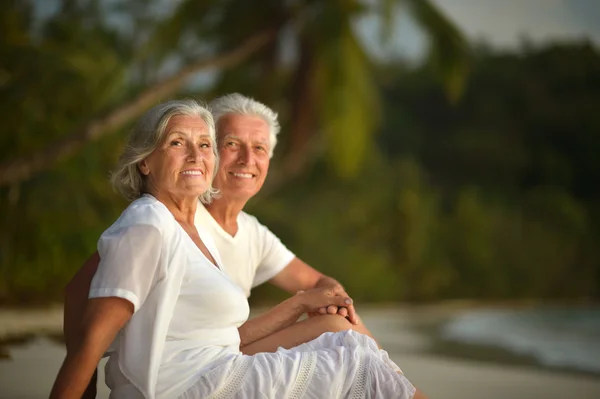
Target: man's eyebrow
[[234, 137], [231, 136]]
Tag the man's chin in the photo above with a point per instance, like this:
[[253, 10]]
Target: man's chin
[[241, 193]]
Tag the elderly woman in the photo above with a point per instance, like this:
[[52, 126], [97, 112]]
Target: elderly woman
[[167, 314]]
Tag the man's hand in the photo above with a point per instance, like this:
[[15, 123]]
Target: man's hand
[[345, 311], [297, 276], [311, 300]]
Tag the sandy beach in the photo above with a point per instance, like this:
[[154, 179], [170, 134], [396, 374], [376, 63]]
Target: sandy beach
[[31, 368]]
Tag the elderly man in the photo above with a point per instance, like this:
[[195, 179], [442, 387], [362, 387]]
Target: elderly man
[[246, 136]]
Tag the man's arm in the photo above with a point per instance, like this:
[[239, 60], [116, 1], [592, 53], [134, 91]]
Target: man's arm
[[76, 296], [103, 318], [298, 276], [76, 299]]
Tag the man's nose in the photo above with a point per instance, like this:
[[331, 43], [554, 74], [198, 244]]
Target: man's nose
[[245, 156]]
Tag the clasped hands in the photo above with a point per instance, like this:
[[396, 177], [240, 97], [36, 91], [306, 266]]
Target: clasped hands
[[328, 299]]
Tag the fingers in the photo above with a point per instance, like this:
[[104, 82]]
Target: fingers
[[348, 310], [352, 315], [324, 300], [340, 301]]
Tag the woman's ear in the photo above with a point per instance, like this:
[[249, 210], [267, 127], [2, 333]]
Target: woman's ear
[[143, 167]]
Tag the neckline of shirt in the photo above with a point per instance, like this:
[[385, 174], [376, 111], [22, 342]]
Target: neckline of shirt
[[216, 225]]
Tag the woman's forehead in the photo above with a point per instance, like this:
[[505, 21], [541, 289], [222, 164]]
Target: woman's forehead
[[186, 123]]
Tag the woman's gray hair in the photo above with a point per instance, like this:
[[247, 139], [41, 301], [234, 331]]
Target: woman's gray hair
[[147, 135], [236, 103]]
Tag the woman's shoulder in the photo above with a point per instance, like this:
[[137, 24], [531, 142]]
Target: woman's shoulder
[[145, 210]]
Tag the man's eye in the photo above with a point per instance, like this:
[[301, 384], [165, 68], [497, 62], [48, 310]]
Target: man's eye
[[231, 144]]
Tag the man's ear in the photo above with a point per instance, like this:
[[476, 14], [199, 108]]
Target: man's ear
[[143, 167]]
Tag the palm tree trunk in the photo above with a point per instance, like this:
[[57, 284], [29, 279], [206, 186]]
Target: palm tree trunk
[[302, 118]]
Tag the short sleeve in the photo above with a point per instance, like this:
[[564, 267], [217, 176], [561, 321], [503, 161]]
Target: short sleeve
[[274, 256], [130, 264]]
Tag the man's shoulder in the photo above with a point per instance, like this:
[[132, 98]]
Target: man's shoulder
[[245, 217], [250, 223]]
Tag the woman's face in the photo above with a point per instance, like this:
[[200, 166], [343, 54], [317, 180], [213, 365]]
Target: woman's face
[[182, 165]]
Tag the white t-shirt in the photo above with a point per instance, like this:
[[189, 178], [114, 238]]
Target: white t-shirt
[[251, 257]]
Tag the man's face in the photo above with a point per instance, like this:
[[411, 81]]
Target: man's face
[[243, 142]]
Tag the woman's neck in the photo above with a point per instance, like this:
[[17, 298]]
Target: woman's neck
[[182, 208]]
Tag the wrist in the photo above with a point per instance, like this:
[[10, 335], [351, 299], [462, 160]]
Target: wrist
[[297, 304]]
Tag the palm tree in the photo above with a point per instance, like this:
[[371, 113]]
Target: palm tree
[[303, 57], [317, 72]]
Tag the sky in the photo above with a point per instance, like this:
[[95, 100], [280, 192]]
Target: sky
[[500, 23], [503, 23]]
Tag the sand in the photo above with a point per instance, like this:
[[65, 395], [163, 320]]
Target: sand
[[31, 371]]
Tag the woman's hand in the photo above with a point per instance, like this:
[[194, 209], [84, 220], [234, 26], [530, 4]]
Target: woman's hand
[[316, 298]]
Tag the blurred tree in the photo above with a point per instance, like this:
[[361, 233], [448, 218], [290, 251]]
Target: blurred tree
[[328, 79], [515, 165]]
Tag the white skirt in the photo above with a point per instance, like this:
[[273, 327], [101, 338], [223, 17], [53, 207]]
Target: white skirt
[[335, 365]]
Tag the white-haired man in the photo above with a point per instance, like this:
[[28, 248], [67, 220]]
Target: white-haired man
[[246, 137]]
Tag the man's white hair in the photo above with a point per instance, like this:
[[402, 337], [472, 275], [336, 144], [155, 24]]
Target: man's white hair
[[236, 103]]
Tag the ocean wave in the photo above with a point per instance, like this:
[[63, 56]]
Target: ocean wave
[[555, 337]]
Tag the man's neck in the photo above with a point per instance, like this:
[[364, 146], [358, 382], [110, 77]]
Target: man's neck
[[225, 212]]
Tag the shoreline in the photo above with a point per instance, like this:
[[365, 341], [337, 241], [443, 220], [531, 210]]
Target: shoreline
[[19, 327], [407, 333]]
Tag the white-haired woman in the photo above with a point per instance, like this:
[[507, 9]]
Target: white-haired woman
[[166, 313]]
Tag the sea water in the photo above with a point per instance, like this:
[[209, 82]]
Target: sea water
[[555, 337]]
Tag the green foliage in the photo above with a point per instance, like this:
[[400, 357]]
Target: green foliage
[[492, 196]]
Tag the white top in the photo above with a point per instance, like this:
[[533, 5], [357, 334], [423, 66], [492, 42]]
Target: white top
[[182, 341], [251, 257], [148, 259]]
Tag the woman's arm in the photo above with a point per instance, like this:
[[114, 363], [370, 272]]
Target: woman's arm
[[288, 311], [103, 319]]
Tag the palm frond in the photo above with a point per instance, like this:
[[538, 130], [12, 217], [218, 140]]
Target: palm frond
[[449, 50]]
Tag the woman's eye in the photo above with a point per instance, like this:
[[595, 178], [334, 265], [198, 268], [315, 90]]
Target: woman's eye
[[175, 143], [205, 145]]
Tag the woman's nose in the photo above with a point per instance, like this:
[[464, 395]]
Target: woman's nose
[[194, 154]]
